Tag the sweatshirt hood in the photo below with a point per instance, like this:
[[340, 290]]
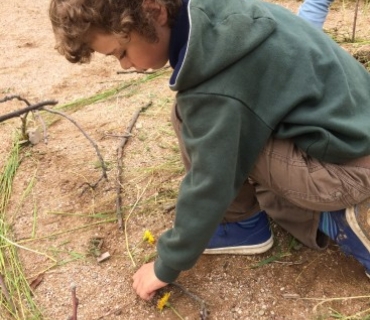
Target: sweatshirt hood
[[218, 36]]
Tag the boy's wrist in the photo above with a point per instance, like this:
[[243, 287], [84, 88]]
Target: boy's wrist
[[164, 272]]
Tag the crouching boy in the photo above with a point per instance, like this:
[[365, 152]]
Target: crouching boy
[[272, 118]]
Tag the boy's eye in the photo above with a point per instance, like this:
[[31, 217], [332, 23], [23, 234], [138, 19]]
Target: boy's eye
[[123, 54]]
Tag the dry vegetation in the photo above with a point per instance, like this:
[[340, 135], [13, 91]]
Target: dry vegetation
[[56, 232]]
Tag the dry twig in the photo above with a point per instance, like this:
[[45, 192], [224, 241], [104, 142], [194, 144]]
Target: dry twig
[[103, 166], [33, 108], [120, 148], [74, 303], [203, 306], [26, 110], [41, 106], [169, 208], [355, 21]]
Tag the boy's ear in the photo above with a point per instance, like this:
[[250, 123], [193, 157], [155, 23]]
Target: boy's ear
[[156, 10]]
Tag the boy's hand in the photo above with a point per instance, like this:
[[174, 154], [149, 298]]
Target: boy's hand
[[146, 282]]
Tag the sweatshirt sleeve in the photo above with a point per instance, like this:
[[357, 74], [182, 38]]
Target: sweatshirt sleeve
[[217, 132]]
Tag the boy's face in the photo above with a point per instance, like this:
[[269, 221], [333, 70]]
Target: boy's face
[[136, 52]]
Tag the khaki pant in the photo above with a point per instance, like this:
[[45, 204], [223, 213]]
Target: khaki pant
[[294, 188]]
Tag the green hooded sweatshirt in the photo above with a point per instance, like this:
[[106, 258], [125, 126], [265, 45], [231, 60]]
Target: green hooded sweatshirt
[[251, 70]]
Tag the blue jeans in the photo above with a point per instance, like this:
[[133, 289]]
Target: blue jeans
[[315, 11]]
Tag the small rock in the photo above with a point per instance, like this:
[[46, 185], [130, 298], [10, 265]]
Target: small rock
[[103, 257], [34, 135], [118, 312]]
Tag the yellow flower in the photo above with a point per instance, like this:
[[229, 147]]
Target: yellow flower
[[148, 237], [163, 301]]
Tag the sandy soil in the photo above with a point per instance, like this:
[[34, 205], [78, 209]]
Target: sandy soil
[[66, 224]]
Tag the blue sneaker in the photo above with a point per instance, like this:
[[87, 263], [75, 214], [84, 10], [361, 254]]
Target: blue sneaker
[[250, 236], [350, 229]]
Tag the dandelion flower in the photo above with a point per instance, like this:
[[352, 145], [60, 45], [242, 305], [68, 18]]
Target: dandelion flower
[[163, 301], [148, 237]]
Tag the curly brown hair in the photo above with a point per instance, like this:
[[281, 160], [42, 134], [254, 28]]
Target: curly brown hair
[[73, 21]]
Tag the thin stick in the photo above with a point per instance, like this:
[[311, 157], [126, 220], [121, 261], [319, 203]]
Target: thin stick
[[18, 113], [187, 292], [119, 161], [41, 106], [104, 168], [8, 98], [74, 302], [355, 21], [203, 307]]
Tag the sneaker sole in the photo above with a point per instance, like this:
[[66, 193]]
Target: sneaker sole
[[360, 215], [243, 250]]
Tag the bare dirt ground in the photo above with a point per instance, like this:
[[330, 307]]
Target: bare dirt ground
[[60, 230]]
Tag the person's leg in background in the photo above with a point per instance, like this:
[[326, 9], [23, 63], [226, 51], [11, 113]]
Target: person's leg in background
[[245, 228], [315, 11]]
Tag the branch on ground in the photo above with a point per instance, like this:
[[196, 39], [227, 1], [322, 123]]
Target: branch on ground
[[120, 148], [23, 113], [41, 106], [103, 166], [18, 113], [203, 306], [75, 303]]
